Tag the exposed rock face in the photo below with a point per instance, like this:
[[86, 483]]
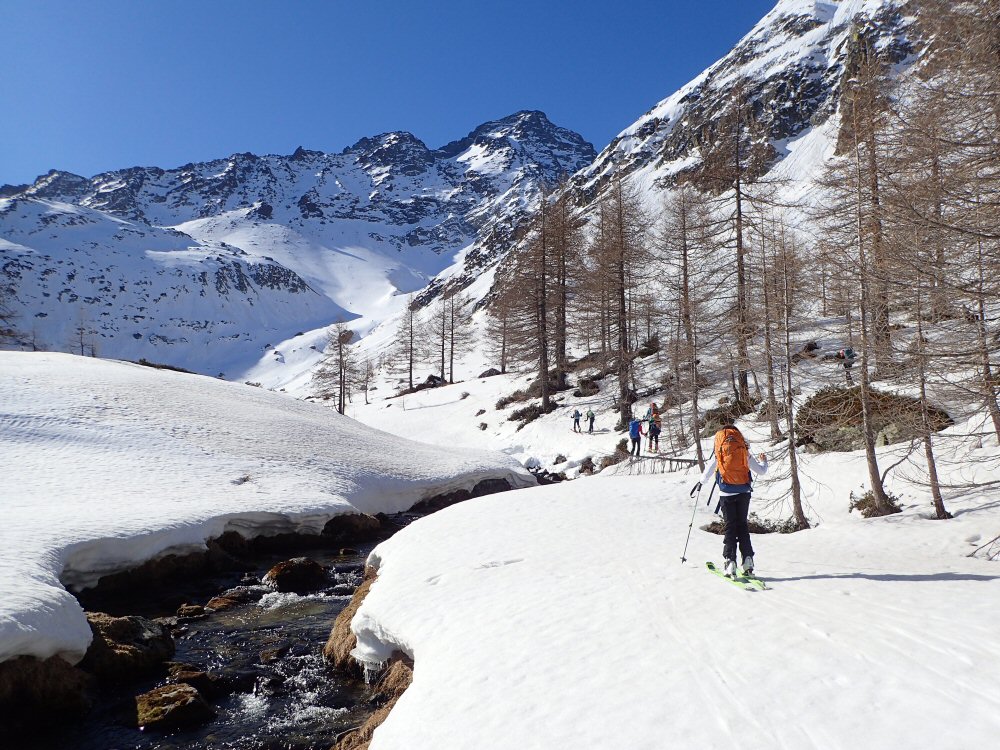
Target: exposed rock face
[[125, 648], [789, 69], [299, 575], [171, 707]]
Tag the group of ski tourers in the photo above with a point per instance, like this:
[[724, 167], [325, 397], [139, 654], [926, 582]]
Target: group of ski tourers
[[590, 419], [650, 426]]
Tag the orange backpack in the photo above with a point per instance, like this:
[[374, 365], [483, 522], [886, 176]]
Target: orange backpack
[[733, 458]]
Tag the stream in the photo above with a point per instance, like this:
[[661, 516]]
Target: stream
[[268, 652]]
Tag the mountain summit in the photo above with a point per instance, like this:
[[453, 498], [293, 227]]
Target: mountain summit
[[130, 260]]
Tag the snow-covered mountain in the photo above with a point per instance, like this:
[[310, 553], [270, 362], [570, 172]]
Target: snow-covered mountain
[[789, 68], [248, 251]]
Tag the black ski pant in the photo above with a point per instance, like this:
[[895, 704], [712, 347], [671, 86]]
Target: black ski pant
[[734, 516], [636, 446]]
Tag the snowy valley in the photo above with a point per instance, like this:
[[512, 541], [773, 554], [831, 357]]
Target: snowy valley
[[786, 244]]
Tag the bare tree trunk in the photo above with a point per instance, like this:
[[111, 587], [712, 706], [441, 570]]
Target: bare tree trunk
[[451, 339], [742, 323], [793, 460], [925, 419], [982, 341], [864, 276], [542, 292], [772, 402]]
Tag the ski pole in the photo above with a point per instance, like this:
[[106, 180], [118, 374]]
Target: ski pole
[[694, 510]]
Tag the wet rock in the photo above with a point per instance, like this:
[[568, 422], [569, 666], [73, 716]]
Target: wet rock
[[348, 552], [174, 667], [269, 655], [238, 681], [33, 689], [125, 648], [299, 575], [234, 598], [171, 707], [190, 610], [206, 683]]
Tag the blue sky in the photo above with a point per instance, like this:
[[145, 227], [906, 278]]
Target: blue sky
[[93, 85]]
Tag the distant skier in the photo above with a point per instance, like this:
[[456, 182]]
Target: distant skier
[[651, 412], [654, 434], [635, 432], [590, 419], [576, 420], [729, 467], [848, 356]]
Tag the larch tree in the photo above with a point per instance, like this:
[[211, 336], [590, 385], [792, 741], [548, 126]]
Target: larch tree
[[406, 346], [620, 258]]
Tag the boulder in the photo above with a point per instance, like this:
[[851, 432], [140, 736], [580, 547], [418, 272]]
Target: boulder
[[205, 683], [492, 372], [234, 597], [126, 648], [171, 707], [299, 575], [34, 689]]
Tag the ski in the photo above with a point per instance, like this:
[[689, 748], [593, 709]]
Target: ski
[[744, 582]]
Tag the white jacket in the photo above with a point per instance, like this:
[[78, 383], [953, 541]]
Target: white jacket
[[755, 466]]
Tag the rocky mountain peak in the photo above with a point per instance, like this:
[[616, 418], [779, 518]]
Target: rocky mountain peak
[[400, 151], [788, 69]]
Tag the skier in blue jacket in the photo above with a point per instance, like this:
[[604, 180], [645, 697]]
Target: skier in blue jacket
[[635, 432]]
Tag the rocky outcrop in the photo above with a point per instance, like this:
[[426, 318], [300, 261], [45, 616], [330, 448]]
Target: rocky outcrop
[[299, 575], [125, 648], [171, 707]]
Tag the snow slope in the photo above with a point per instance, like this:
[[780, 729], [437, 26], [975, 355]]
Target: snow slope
[[108, 464], [562, 617]]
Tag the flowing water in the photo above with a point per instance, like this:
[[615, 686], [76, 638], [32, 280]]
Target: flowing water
[[286, 697]]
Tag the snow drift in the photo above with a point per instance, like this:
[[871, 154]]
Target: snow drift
[[109, 464], [563, 618]]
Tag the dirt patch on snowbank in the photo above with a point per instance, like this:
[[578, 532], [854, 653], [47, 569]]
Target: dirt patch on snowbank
[[342, 640], [390, 688]]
